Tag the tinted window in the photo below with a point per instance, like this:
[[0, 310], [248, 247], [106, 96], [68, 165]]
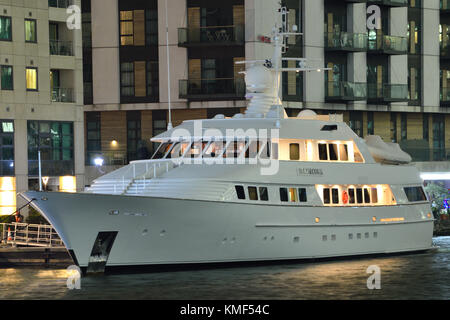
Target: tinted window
[[415, 194], [366, 195], [263, 195], [335, 194], [283, 194], [333, 151], [302, 194], [240, 192], [343, 152], [359, 195], [351, 195], [323, 152], [326, 195]]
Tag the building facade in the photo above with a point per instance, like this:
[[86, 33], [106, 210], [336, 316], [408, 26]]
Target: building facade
[[41, 99], [391, 81]]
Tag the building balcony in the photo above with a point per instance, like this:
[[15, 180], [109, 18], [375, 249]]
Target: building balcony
[[445, 97], [388, 45], [51, 168], [61, 48], [65, 95], [387, 92], [419, 154], [212, 89], [345, 91], [345, 41], [106, 158], [445, 50], [389, 3], [207, 36], [63, 4]]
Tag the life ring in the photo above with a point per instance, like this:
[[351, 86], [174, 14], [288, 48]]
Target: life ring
[[345, 197]]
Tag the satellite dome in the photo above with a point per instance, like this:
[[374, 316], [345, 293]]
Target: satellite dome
[[258, 78], [307, 114]]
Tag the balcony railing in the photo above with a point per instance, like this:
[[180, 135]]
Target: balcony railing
[[345, 41], [427, 154], [61, 48], [345, 91], [387, 92], [220, 35], [390, 3], [63, 95], [389, 44], [51, 168], [445, 96], [108, 158], [212, 89], [60, 3], [445, 50]]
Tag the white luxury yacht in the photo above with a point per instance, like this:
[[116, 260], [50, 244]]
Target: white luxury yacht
[[258, 186]]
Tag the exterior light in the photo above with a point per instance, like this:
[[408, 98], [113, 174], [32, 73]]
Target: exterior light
[[114, 143], [45, 181], [317, 220], [98, 161]]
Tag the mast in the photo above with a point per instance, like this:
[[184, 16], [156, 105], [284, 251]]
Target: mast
[[169, 124]]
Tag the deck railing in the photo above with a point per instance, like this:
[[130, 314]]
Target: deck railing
[[35, 235]]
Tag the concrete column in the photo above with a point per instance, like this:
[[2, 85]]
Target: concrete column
[[105, 51], [78, 132], [313, 35], [177, 16], [357, 61], [430, 58], [21, 158], [398, 71]]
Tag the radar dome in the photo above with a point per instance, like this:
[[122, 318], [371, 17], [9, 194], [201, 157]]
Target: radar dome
[[307, 114], [258, 79]]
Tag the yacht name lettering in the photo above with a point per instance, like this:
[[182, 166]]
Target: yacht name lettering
[[310, 171]]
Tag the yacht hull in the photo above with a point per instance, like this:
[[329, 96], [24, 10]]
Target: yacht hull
[[160, 231]]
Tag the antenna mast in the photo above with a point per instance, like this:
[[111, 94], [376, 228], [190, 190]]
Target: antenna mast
[[169, 125]]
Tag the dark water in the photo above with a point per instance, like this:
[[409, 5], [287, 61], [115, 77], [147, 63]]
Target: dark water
[[418, 276]]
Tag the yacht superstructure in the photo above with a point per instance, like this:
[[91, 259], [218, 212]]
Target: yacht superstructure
[[259, 186]]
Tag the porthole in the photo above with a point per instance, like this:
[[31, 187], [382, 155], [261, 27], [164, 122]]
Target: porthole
[[317, 220]]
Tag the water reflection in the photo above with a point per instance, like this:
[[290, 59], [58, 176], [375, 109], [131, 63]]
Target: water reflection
[[418, 276]]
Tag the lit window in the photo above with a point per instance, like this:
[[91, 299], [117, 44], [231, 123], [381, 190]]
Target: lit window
[[126, 28], [292, 195], [294, 151], [374, 195], [30, 30], [31, 78], [343, 152], [252, 193]]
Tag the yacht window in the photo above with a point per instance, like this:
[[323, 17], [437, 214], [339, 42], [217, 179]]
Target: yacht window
[[274, 151], [283, 194], [326, 195], [218, 149], [162, 150], [252, 150], [366, 195], [196, 150], [302, 194], [208, 151], [240, 192], [323, 151], [374, 195], [252, 193], [343, 152], [358, 157], [263, 194], [415, 194], [265, 150], [359, 195], [333, 151], [351, 195], [292, 195], [335, 195], [294, 151]]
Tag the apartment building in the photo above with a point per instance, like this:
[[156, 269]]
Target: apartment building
[[391, 81], [41, 99]]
